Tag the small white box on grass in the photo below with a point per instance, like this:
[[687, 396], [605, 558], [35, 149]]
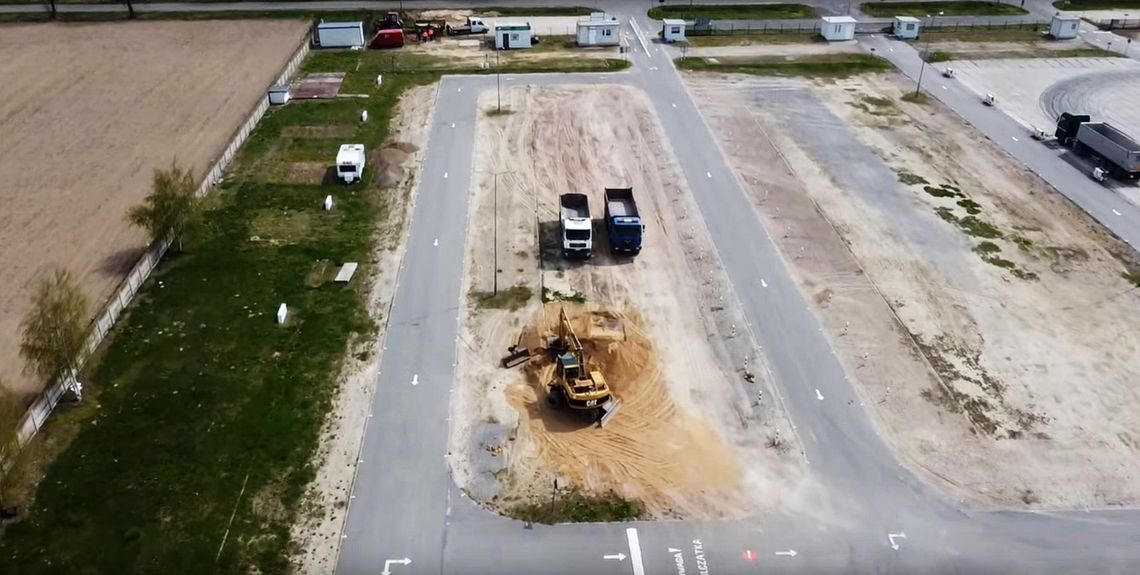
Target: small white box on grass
[[328, 203], [281, 313]]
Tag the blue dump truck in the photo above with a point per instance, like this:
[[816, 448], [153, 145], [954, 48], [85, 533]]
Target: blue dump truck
[[623, 222]]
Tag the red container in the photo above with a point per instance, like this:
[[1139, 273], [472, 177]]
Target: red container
[[388, 39]]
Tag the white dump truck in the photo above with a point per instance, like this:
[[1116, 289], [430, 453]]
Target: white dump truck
[[350, 162], [577, 227]]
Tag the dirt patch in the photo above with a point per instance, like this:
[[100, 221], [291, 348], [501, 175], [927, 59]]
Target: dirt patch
[[391, 163], [317, 533], [140, 94], [654, 450], [691, 377], [306, 172], [990, 382]]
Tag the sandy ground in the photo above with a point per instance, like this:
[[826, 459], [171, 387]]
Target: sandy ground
[[88, 112], [318, 531], [690, 440], [1002, 387]]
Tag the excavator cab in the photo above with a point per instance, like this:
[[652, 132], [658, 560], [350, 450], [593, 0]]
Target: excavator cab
[[573, 386]]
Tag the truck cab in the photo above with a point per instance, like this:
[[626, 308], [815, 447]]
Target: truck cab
[[350, 163]]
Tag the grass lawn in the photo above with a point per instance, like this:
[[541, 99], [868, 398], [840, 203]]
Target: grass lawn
[[1030, 51], [200, 408], [921, 9], [733, 11], [822, 65], [1095, 4], [980, 35]]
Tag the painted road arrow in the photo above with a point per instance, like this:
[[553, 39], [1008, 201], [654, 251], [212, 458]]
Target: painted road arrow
[[788, 553], [388, 562], [619, 556]]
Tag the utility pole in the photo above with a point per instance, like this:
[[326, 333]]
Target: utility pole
[[925, 53], [553, 496], [495, 234], [498, 85]]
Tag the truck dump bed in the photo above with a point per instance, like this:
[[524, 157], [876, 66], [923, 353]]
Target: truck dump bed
[[1112, 144], [620, 204], [575, 206]]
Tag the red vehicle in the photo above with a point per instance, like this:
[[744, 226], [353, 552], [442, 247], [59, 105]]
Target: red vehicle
[[388, 39]]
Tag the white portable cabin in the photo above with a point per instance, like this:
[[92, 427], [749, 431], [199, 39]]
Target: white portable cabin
[[340, 34], [672, 30], [350, 162], [1064, 27], [597, 30], [279, 95], [837, 28], [906, 27], [511, 36]]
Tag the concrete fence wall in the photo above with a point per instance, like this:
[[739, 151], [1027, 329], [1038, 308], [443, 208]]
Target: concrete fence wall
[[39, 411]]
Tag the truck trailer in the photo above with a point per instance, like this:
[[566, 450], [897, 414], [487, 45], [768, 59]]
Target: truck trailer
[[1119, 153], [623, 221], [577, 227]]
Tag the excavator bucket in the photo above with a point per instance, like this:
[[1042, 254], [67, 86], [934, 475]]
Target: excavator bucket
[[517, 356], [609, 410]]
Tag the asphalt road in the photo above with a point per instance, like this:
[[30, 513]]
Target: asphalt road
[[872, 515]]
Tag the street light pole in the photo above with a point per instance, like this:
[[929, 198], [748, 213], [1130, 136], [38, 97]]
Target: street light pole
[[925, 53], [498, 86], [495, 234]]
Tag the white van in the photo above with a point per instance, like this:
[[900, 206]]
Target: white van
[[350, 162]]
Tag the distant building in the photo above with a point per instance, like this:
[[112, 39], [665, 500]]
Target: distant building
[[513, 36], [672, 30], [598, 30], [837, 28], [1064, 27], [906, 27]]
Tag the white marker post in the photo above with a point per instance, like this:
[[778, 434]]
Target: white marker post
[[282, 313], [416, 379], [328, 203]]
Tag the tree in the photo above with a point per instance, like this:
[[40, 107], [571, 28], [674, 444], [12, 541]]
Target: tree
[[55, 329], [170, 208]]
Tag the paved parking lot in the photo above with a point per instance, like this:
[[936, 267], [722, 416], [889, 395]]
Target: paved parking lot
[[1036, 91]]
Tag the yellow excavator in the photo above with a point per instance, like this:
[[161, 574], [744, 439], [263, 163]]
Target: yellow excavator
[[575, 386]]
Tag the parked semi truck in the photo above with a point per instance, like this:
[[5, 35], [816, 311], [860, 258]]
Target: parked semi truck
[[623, 221], [1119, 153], [577, 227]]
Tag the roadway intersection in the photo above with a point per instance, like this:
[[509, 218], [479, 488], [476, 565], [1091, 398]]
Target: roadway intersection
[[871, 515]]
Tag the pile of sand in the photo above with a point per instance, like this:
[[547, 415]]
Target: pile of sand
[[653, 449]]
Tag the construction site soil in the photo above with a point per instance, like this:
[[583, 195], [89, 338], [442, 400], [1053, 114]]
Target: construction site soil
[[984, 317], [88, 112], [690, 440]]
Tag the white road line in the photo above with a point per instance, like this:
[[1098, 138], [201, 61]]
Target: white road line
[[709, 174], [1115, 212], [763, 283], [818, 395], [416, 379], [634, 551], [674, 105], [1014, 138], [640, 39], [445, 175], [453, 124], [436, 242]]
